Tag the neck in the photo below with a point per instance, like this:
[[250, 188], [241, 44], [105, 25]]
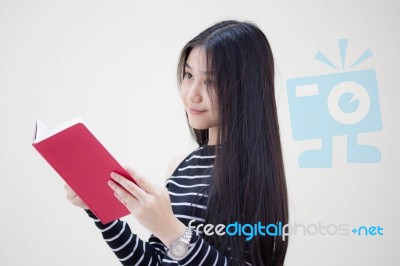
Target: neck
[[212, 135]]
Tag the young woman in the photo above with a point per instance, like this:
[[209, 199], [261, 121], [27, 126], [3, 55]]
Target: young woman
[[226, 81]]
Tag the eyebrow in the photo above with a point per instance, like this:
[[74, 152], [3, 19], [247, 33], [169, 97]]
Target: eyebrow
[[187, 65], [205, 72]]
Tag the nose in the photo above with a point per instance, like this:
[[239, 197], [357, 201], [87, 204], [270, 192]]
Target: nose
[[194, 92]]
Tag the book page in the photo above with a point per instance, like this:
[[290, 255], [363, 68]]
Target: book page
[[43, 132]]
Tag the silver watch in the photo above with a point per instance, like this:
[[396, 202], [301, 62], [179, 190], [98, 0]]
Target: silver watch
[[180, 247]]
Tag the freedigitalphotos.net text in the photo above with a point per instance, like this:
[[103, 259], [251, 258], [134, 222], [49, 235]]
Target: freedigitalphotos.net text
[[285, 230]]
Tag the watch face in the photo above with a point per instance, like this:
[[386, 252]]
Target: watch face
[[179, 249]]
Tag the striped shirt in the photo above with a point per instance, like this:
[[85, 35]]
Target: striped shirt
[[188, 193]]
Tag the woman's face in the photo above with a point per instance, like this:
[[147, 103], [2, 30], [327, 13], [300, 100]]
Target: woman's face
[[202, 113]]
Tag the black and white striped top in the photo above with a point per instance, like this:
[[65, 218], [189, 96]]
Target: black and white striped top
[[188, 192]]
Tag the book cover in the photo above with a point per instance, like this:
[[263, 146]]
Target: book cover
[[85, 165]]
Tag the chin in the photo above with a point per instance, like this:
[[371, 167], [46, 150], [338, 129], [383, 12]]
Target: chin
[[199, 127]]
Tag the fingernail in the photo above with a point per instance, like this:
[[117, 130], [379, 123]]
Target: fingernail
[[112, 175], [110, 183]]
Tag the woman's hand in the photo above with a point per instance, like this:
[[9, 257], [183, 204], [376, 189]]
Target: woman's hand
[[75, 199], [150, 204]]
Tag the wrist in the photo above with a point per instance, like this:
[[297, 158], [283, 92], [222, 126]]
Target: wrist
[[179, 248], [172, 231]]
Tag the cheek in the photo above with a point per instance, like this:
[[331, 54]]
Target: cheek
[[215, 111], [182, 93], [213, 104], [183, 98], [183, 90]]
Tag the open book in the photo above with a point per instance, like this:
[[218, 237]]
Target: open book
[[85, 165]]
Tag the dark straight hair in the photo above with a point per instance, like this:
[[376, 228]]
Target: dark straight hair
[[248, 179]]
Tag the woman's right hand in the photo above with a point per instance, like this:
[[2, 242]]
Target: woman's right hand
[[75, 199]]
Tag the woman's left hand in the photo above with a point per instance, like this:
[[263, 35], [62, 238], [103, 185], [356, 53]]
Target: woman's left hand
[[150, 204]]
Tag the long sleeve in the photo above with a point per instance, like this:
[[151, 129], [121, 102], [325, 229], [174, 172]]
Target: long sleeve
[[187, 189], [128, 247], [131, 250], [202, 253]]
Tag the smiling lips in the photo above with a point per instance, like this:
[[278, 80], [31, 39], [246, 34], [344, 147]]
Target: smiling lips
[[196, 111]]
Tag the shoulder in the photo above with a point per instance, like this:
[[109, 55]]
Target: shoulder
[[175, 163]]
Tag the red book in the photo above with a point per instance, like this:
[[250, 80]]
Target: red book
[[85, 165]]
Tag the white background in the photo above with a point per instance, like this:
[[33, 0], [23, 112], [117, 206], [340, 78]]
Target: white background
[[114, 63]]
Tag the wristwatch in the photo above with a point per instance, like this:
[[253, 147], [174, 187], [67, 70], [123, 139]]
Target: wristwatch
[[180, 247]]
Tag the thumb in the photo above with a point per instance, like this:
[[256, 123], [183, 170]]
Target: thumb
[[142, 182]]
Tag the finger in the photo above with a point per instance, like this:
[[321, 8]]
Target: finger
[[129, 207], [135, 175], [129, 186], [74, 198], [121, 200], [67, 187], [77, 201], [123, 196], [142, 182], [70, 191], [71, 194]]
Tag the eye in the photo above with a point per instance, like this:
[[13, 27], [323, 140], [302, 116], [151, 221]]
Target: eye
[[187, 75]]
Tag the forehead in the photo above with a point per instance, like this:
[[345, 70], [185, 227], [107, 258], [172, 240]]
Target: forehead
[[197, 59]]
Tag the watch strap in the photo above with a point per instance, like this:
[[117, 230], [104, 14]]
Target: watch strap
[[186, 237]]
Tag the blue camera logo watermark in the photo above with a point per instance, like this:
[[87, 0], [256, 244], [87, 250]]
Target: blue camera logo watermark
[[344, 103]]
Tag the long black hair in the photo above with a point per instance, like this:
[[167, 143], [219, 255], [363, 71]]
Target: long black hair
[[248, 180]]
